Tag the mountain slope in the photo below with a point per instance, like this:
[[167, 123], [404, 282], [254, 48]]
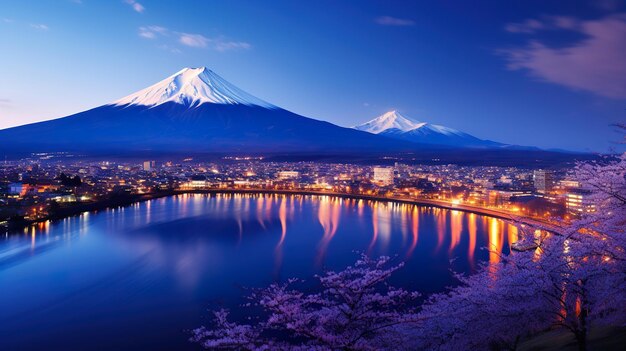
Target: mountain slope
[[193, 111]]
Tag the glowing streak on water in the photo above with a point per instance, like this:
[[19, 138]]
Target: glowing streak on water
[[472, 237], [456, 226]]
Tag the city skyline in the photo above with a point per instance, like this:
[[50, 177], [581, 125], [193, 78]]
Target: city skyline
[[504, 86]]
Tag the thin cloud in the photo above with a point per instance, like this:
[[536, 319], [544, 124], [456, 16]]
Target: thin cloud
[[394, 21], [532, 26], [528, 26], [218, 44], [135, 5], [222, 45], [594, 64], [39, 26], [193, 40], [152, 32]]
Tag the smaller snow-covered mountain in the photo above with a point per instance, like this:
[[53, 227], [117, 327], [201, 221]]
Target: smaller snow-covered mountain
[[389, 120], [395, 125]]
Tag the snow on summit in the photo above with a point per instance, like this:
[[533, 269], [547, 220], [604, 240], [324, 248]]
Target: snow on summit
[[392, 119], [192, 87]]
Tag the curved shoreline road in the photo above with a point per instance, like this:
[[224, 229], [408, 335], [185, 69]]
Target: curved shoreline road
[[411, 201], [90, 207]]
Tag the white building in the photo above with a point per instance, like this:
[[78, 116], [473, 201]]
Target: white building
[[383, 175], [283, 175]]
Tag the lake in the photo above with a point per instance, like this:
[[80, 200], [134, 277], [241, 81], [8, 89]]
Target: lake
[[139, 277]]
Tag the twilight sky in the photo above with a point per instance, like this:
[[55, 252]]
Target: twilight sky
[[545, 73]]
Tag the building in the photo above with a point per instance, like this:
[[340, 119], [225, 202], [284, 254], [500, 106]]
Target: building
[[383, 176], [149, 165], [543, 180], [198, 182], [17, 188], [284, 175], [502, 197], [577, 201]]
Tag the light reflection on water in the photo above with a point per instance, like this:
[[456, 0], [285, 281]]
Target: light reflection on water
[[160, 263]]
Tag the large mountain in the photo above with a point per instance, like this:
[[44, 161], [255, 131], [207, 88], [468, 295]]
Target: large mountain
[[196, 112], [395, 125], [192, 111]]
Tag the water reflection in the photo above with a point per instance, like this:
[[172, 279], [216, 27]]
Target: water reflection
[[374, 226], [414, 231], [185, 250], [328, 214], [456, 225], [282, 215], [471, 247], [259, 210], [495, 240], [441, 226]]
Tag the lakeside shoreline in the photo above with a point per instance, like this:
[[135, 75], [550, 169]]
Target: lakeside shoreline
[[14, 227]]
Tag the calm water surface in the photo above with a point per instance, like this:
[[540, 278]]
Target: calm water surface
[[138, 277]]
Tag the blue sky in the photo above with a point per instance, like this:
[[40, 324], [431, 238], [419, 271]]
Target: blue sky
[[544, 73]]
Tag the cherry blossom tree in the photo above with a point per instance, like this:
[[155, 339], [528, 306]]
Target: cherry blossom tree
[[354, 309], [494, 309], [575, 278]]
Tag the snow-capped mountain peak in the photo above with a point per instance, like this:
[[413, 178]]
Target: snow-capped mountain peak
[[390, 120], [394, 125], [192, 87]]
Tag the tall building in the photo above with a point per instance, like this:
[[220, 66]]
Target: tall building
[[149, 165], [543, 180], [383, 175]]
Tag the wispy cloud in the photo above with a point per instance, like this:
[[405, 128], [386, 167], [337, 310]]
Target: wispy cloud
[[7, 20], [194, 40], [151, 32], [532, 25], [135, 5], [394, 21], [528, 26], [595, 63], [224, 45], [218, 44], [39, 26]]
